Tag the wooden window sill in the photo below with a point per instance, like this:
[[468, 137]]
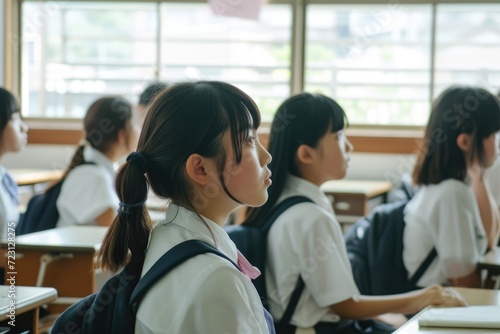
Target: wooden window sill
[[364, 140]]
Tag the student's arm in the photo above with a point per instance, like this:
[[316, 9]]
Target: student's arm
[[489, 213], [406, 303], [106, 218]]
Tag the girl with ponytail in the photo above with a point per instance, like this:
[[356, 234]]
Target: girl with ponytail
[[87, 196], [198, 148]]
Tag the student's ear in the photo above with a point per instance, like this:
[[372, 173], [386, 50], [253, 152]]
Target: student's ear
[[464, 142], [197, 169], [305, 154]]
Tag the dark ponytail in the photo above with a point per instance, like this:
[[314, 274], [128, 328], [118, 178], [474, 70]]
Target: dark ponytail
[[131, 226]]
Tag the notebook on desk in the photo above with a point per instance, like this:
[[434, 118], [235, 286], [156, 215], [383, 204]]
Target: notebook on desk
[[462, 317]]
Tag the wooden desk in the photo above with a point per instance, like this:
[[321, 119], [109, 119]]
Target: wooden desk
[[30, 177], [473, 297], [352, 199], [66, 253], [28, 302], [491, 263]]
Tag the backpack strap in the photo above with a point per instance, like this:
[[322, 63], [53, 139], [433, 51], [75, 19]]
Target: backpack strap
[[171, 259], [423, 267], [282, 207], [299, 287], [292, 304]]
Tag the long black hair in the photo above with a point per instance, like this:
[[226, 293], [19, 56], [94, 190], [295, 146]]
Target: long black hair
[[301, 120]]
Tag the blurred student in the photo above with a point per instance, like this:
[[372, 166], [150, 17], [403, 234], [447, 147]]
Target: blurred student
[[87, 195], [309, 148], [453, 211], [146, 97], [199, 149], [13, 137]]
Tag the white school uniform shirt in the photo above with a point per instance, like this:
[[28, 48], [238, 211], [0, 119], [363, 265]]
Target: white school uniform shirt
[[307, 239], [206, 294], [8, 209], [444, 216], [87, 191]]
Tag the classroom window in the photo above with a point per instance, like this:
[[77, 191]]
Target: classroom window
[[84, 50], [383, 62]]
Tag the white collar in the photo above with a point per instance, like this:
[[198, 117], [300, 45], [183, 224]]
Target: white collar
[[190, 221], [298, 186], [90, 154]]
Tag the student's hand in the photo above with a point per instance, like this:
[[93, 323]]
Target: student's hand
[[445, 297]]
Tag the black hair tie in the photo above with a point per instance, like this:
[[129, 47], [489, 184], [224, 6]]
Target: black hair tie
[[124, 208], [139, 160]]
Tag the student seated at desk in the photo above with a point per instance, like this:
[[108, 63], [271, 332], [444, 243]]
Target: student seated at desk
[[13, 137], [198, 147], [309, 148], [453, 211], [87, 195]]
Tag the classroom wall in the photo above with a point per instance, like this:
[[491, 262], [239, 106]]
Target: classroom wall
[[362, 166]]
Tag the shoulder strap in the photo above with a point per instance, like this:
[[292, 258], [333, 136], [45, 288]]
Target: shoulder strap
[[282, 207], [292, 304], [423, 267], [299, 287], [171, 259]]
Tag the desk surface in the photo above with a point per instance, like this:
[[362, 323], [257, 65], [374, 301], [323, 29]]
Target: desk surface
[[27, 298], [366, 188], [473, 297], [26, 177], [82, 239]]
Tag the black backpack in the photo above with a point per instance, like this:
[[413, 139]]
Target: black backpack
[[375, 249], [113, 309], [252, 241], [41, 213]]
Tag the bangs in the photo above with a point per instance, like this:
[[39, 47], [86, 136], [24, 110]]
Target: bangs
[[338, 118], [489, 118], [242, 114], [328, 113]]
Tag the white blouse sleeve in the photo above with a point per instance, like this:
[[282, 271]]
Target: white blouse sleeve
[[460, 235], [86, 193], [324, 264]]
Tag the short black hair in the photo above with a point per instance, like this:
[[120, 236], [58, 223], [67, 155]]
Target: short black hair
[[150, 92]]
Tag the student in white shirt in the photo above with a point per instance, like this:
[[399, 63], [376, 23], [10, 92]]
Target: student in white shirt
[[199, 149], [454, 211], [13, 137], [309, 148], [87, 195]]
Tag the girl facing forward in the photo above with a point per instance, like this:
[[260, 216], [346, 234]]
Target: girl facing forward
[[309, 147], [199, 149]]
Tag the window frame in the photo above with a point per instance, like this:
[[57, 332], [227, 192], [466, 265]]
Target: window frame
[[365, 138]]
